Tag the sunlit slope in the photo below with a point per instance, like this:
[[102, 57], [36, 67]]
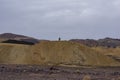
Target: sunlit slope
[[108, 51], [111, 52], [53, 53], [14, 53], [69, 53]]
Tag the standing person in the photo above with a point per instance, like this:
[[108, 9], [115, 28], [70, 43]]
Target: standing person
[[59, 39]]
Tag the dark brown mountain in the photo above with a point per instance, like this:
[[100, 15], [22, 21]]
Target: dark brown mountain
[[106, 42], [12, 36], [6, 37]]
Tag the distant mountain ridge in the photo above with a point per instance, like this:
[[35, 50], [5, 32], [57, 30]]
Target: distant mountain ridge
[[106, 42], [11, 36]]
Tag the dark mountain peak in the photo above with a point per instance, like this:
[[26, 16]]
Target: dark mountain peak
[[11, 36]]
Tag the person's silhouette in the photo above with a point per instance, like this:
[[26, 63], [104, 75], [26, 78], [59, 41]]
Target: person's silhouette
[[59, 39]]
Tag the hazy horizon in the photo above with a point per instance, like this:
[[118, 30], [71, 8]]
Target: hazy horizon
[[68, 19]]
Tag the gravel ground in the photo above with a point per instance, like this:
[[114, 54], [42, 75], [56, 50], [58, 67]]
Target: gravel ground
[[28, 72]]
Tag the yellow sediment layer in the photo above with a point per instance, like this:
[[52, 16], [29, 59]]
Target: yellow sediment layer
[[53, 53]]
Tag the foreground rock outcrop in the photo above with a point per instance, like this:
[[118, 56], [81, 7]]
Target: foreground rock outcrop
[[36, 72]]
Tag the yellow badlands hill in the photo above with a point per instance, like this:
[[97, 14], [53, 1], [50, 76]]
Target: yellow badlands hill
[[53, 53]]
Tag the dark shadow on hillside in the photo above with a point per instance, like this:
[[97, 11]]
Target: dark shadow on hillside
[[18, 42]]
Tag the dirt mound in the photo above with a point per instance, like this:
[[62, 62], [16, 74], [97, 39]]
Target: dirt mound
[[53, 53], [111, 52], [69, 53]]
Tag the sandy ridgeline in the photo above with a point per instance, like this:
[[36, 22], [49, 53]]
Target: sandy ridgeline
[[64, 53]]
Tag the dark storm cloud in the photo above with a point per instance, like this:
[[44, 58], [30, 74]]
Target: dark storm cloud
[[66, 18]]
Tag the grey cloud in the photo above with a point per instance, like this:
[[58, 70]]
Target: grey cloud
[[67, 18]]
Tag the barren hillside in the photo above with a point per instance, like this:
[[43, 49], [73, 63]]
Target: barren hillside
[[14, 53], [111, 52], [53, 53]]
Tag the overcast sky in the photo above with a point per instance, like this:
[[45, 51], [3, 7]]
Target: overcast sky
[[49, 19]]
